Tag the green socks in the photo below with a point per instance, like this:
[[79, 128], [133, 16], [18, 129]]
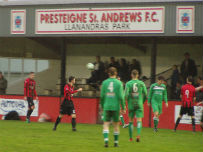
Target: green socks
[[130, 130], [106, 136], [116, 135], [139, 127], [156, 121], [122, 120]]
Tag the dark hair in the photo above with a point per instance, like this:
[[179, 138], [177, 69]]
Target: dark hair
[[190, 79], [186, 53], [200, 78], [161, 78], [0, 72], [71, 78], [112, 58], [135, 72], [31, 73], [98, 57], [112, 71]]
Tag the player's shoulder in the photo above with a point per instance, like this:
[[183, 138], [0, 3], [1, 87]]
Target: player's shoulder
[[26, 80], [154, 84], [163, 85]]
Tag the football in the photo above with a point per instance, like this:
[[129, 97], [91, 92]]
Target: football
[[90, 66]]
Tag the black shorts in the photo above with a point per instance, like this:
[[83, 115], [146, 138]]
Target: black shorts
[[67, 107], [202, 118], [30, 102], [187, 110]]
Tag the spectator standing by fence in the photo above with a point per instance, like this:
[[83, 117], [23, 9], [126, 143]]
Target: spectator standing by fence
[[188, 67], [3, 84]]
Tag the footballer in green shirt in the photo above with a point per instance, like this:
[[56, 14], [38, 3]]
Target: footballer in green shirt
[[157, 94], [112, 98], [135, 94]]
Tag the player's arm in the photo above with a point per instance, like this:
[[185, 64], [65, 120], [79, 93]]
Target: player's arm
[[150, 94], [35, 93], [165, 95], [25, 89], [198, 88], [102, 96], [194, 96], [126, 94], [199, 103], [122, 100], [144, 93]]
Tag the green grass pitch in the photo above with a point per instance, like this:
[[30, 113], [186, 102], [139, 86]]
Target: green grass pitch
[[18, 136]]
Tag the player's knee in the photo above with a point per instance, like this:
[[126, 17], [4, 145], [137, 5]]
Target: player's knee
[[60, 116], [73, 115]]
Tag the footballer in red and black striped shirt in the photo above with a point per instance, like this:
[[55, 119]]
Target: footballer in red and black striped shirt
[[67, 107], [30, 93], [188, 99]]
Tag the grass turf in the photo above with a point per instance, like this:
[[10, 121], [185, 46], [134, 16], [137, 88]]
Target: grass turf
[[18, 136]]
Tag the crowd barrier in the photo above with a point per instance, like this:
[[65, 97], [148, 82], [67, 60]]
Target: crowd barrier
[[87, 110]]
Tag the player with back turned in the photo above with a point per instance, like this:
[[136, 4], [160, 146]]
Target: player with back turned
[[188, 99], [135, 93], [30, 93], [111, 99], [67, 107], [157, 94]]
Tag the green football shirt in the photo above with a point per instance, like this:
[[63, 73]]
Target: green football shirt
[[157, 93], [112, 95], [135, 93]]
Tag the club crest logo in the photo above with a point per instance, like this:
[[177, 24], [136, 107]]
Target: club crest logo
[[18, 22], [185, 20]]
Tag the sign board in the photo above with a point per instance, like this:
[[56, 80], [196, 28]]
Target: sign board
[[18, 105], [185, 19], [18, 21], [100, 20], [187, 119]]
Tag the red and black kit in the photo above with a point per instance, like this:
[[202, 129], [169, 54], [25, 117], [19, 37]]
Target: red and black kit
[[67, 107], [30, 91], [188, 93]]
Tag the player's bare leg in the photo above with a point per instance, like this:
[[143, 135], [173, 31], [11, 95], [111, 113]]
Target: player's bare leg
[[139, 128], [116, 133], [106, 133], [177, 122], [58, 120], [73, 122], [156, 120], [131, 128]]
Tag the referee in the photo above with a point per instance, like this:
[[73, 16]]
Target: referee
[[67, 107]]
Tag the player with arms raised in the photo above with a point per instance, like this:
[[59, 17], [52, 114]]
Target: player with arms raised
[[30, 93], [67, 107], [135, 94], [157, 94], [111, 99], [188, 99]]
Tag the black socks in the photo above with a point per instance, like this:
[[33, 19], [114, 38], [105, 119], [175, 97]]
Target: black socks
[[177, 122], [73, 123], [58, 120], [29, 112], [193, 124]]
